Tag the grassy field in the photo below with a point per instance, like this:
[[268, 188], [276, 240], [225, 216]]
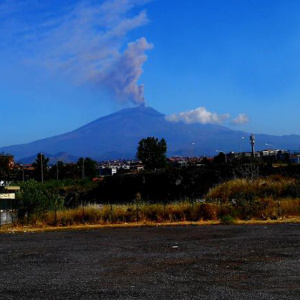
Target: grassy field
[[100, 216], [271, 199]]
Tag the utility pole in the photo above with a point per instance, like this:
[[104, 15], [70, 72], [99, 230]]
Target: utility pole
[[83, 173], [252, 142], [23, 175], [42, 168], [57, 170]]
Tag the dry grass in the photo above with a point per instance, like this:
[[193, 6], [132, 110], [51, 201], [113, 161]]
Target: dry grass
[[273, 187], [240, 201], [119, 214], [17, 228], [263, 198], [184, 212]]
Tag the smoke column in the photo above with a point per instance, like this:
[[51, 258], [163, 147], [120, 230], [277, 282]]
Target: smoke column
[[85, 41], [122, 77]]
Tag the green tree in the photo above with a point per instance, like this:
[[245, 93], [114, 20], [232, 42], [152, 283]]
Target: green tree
[[41, 167], [8, 170], [152, 153], [220, 158], [88, 167], [57, 171], [35, 198]]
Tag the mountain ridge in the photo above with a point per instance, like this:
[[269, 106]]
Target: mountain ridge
[[117, 135]]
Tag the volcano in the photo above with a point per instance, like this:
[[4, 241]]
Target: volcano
[[116, 136]]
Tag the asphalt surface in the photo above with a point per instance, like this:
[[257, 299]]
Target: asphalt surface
[[208, 262]]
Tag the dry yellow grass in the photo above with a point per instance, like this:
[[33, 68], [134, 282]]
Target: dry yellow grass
[[8, 229], [240, 201], [273, 186]]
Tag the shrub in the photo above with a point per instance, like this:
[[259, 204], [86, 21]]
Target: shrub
[[227, 219], [34, 200], [259, 198]]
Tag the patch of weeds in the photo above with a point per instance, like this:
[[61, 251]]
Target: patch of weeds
[[227, 219]]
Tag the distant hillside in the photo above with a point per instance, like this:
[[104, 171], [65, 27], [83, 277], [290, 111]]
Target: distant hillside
[[117, 136], [53, 158]]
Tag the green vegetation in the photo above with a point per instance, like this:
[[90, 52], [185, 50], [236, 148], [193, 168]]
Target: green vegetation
[[87, 167], [35, 199], [41, 167], [227, 219], [152, 153], [262, 198], [270, 198], [7, 172], [62, 195]]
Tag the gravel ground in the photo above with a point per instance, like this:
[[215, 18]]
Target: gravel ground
[[194, 262]]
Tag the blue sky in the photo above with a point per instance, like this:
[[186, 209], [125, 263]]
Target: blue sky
[[66, 63]]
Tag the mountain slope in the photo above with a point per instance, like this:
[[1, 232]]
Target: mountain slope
[[117, 136]]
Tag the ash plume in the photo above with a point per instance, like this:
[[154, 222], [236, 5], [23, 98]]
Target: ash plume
[[85, 42], [123, 75]]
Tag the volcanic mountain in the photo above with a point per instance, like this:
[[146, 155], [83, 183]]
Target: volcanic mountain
[[117, 136]]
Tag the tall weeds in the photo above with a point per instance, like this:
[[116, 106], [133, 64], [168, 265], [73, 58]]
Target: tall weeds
[[262, 198], [116, 214]]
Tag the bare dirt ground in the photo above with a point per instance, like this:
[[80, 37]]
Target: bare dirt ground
[[193, 262]]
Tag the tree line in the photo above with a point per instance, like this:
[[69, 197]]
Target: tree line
[[41, 171]]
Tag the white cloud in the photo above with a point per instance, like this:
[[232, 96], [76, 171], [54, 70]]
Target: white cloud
[[198, 115], [240, 119], [86, 42]]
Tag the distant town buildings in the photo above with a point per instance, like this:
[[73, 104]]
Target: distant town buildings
[[110, 168], [294, 156], [22, 172]]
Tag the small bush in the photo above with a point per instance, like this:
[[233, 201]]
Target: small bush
[[227, 219], [34, 200]]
